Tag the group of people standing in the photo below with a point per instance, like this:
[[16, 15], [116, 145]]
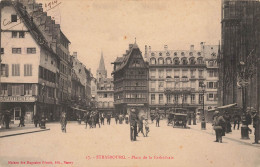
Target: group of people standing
[[222, 123], [135, 123]]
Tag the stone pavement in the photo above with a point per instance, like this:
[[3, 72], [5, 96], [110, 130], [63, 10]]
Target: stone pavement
[[235, 135], [15, 130]]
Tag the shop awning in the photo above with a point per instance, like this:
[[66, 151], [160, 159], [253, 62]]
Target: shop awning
[[227, 106], [223, 107], [79, 109]]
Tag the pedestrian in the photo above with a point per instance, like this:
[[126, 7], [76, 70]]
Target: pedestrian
[[116, 118], [35, 120], [7, 119], [97, 119], [157, 120], [237, 119], [140, 127], [248, 120], [194, 118], [63, 122], [102, 118], [108, 119], [146, 124], [218, 124], [133, 125], [21, 124], [227, 118], [126, 118]]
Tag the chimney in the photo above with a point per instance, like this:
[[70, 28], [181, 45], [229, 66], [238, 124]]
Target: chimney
[[165, 47], [202, 46], [191, 47], [75, 54], [145, 51]]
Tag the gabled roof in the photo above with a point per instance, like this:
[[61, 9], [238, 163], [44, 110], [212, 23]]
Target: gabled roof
[[34, 30], [122, 61]]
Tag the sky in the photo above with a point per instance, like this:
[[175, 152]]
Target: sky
[[110, 26]]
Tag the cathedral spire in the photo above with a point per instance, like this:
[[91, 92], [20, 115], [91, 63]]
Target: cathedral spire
[[101, 63]]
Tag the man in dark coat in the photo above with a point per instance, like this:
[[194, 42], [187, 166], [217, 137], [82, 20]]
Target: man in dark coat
[[63, 122], [157, 120], [7, 119], [227, 118], [35, 120], [248, 120], [108, 119], [133, 125], [237, 119], [218, 124], [116, 118], [141, 127]]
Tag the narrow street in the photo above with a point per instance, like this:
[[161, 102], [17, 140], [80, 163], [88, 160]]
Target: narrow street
[[82, 147]]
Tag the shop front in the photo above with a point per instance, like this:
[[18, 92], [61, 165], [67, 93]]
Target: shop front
[[19, 106]]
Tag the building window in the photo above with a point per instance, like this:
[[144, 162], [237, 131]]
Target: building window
[[184, 61], [200, 84], [160, 86], [152, 98], [192, 98], [211, 73], [153, 61], [176, 99], [192, 61], [168, 73], [153, 86], [16, 50], [2, 51], [4, 70], [176, 73], [15, 69], [152, 74], [192, 84], [4, 90], [160, 98], [176, 61], [160, 61], [21, 34], [28, 70], [13, 18], [161, 72], [200, 61], [185, 97], [200, 73], [31, 50], [14, 34], [168, 61], [168, 84], [168, 99], [192, 73], [28, 89]]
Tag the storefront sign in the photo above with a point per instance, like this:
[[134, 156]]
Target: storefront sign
[[17, 99]]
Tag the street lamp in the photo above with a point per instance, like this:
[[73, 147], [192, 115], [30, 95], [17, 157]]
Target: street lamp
[[243, 84], [203, 123], [43, 121]]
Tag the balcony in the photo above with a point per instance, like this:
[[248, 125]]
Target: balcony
[[135, 100], [178, 90]]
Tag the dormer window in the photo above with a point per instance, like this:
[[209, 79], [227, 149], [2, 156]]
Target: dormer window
[[182, 53], [160, 54], [199, 53], [191, 54], [167, 54], [175, 53], [152, 54], [13, 18]]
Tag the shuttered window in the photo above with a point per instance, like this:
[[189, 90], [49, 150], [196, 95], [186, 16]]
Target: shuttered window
[[28, 70], [4, 70], [15, 69]]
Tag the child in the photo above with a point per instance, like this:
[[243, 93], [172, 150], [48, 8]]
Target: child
[[146, 124]]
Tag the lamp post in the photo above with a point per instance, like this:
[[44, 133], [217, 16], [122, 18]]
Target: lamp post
[[243, 84], [203, 123], [43, 121]]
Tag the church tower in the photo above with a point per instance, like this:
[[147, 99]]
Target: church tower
[[101, 71]]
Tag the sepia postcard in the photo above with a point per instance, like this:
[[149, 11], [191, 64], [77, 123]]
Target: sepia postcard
[[129, 83]]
